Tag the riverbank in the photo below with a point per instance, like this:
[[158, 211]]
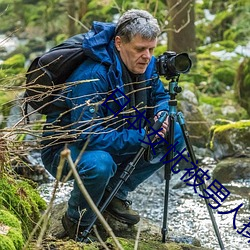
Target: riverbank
[[188, 216]]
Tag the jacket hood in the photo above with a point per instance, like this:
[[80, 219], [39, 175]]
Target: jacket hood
[[98, 43]]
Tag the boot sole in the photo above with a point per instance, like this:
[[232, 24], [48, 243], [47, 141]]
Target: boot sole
[[121, 219]]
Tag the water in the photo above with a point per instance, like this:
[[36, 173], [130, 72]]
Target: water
[[187, 212], [188, 215]]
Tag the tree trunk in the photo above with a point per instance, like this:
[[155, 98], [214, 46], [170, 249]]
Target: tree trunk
[[181, 27], [83, 7], [71, 6]]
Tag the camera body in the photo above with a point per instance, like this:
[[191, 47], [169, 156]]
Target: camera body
[[171, 65]]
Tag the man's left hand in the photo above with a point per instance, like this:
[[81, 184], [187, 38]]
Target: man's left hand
[[165, 125]]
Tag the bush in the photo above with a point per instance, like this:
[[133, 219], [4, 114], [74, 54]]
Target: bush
[[224, 75], [16, 61]]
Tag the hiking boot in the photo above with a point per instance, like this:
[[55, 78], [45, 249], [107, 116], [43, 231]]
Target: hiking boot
[[75, 231], [121, 211]]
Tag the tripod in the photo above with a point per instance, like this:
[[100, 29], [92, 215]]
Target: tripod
[[173, 90]]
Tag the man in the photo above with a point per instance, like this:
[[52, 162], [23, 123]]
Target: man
[[102, 115]]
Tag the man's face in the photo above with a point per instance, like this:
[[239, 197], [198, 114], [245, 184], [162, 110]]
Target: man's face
[[137, 53]]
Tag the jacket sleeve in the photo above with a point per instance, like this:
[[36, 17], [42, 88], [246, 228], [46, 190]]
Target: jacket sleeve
[[89, 120]]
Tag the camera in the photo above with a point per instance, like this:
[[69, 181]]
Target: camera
[[171, 65]]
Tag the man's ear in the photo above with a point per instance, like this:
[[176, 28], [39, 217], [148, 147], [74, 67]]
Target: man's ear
[[118, 42]]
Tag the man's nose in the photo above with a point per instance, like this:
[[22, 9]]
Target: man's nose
[[146, 54]]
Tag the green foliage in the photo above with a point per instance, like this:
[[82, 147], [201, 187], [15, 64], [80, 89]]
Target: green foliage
[[17, 61], [219, 102], [12, 67], [214, 101], [225, 75], [216, 67], [160, 49], [229, 23], [221, 23]]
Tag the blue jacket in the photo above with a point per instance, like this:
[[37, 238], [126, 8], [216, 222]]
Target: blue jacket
[[88, 117]]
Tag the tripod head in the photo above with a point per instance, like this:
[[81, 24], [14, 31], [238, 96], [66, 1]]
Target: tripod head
[[174, 89]]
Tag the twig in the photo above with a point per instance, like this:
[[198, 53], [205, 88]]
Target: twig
[[77, 21], [99, 238], [137, 236]]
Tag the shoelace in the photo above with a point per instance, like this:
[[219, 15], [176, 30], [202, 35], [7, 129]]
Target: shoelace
[[127, 203]]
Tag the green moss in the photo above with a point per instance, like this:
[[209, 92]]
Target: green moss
[[21, 199], [13, 238], [174, 246], [128, 244], [9, 219], [236, 125], [242, 84], [16, 237], [6, 243], [220, 132]]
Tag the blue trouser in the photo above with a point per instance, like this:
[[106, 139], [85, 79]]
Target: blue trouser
[[100, 170]]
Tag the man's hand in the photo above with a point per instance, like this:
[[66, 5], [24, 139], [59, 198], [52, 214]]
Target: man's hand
[[165, 126]]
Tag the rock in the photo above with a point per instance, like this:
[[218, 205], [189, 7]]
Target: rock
[[188, 95], [197, 125], [228, 110], [232, 139], [231, 169], [149, 238]]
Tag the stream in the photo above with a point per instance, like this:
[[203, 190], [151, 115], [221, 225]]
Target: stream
[[188, 216]]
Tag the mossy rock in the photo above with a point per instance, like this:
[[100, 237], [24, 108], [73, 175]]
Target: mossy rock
[[231, 139], [128, 244], [150, 235], [22, 200], [11, 237]]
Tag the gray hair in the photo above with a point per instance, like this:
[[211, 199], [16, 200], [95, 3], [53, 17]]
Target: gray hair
[[137, 22]]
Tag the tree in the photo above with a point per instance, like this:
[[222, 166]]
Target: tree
[[181, 27]]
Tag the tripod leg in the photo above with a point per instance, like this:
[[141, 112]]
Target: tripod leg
[[181, 121], [167, 174]]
